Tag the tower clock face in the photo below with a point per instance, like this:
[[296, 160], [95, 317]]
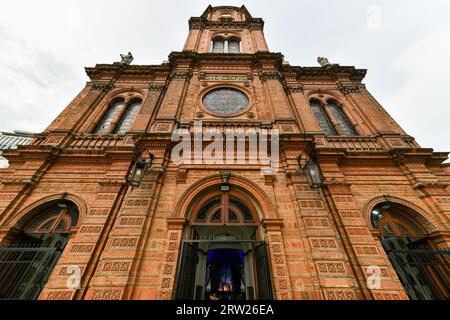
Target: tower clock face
[[225, 101]]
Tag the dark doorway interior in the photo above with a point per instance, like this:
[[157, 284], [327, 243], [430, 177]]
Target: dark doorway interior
[[225, 276]]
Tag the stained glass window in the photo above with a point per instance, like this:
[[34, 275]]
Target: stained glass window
[[201, 216], [341, 118], [128, 117], [243, 208], [324, 122], [105, 124], [225, 101]]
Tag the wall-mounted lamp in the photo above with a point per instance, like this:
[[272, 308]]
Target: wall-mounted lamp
[[139, 170], [312, 172], [225, 177]]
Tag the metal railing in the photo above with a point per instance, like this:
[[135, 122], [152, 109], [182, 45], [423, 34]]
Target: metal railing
[[425, 274], [24, 270]]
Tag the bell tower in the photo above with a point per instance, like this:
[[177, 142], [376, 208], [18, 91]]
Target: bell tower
[[226, 29]]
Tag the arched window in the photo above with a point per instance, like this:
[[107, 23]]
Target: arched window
[[105, 124], [30, 251], [127, 119], [222, 210], [422, 270], [233, 46], [226, 18], [220, 45], [119, 117], [322, 118], [341, 119], [58, 219], [331, 110]]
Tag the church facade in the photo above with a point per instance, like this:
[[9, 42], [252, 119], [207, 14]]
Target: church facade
[[343, 204]]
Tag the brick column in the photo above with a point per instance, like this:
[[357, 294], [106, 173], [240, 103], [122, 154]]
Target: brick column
[[114, 273], [363, 248], [280, 276], [171, 255]]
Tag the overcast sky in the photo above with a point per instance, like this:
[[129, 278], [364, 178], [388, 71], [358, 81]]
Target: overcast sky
[[404, 44]]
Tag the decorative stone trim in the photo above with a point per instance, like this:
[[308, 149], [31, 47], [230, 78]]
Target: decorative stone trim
[[155, 87], [102, 87], [348, 88], [293, 88], [266, 75]]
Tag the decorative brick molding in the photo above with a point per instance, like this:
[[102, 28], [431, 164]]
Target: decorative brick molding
[[317, 223], [348, 88], [124, 242], [277, 255], [7, 196], [107, 294], [340, 295], [90, 229], [323, 243], [82, 248], [389, 296], [171, 252], [366, 250], [116, 266], [59, 295], [105, 197], [127, 221], [331, 267], [98, 212]]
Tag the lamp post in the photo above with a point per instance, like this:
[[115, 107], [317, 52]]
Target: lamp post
[[139, 170]]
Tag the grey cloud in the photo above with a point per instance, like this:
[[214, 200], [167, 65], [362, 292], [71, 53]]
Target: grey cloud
[[34, 83]]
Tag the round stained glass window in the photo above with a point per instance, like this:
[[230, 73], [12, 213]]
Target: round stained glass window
[[225, 101]]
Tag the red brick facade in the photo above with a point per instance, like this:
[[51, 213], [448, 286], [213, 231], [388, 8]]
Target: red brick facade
[[127, 241]]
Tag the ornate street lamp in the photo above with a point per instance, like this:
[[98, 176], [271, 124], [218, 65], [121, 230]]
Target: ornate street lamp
[[313, 174], [139, 170]]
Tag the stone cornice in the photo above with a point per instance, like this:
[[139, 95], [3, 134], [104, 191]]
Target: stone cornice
[[228, 57], [100, 71], [334, 72], [241, 9], [31, 152], [203, 23], [431, 184]]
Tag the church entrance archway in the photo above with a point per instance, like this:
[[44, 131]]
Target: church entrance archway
[[32, 248], [423, 270], [223, 254]]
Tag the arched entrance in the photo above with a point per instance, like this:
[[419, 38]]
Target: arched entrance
[[31, 249], [423, 271], [224, 255]]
